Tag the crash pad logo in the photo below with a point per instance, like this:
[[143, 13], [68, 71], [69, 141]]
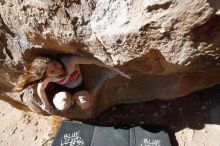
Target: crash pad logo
[[151, 142], [72, 139]]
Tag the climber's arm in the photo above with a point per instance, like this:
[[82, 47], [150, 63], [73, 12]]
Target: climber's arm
[[92, 60], [42, 94]]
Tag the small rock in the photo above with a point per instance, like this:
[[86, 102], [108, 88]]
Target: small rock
[[28, 121], [162, 30], [36, 123], [35, 138], [22, 137], [27, 116], [2, 131], [13, 130], [36, 130]]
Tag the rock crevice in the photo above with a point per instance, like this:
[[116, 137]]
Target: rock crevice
[[170, 48]]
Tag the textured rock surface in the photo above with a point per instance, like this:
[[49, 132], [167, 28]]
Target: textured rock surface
[[171, 48], [24, 128]]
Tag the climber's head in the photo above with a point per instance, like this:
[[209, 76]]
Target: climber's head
[[55, 69]]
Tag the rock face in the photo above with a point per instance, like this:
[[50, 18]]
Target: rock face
[[171, 47]]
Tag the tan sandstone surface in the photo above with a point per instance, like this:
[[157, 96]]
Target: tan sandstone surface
[[170, 47]]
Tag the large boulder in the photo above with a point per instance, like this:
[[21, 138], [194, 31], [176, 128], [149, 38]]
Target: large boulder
[[170, 47]]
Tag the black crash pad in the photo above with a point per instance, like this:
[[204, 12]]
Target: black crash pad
[[75, 134]]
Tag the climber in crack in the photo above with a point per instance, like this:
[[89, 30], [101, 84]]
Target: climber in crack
[[65, 72]]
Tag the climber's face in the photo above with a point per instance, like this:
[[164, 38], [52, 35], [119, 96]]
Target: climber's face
[[54, 69]]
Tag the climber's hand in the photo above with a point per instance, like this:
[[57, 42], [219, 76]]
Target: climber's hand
[[48, 108], [125, 75]]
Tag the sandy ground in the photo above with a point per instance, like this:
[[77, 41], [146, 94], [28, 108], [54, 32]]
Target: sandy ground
[[193, 120], [19, 128]]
